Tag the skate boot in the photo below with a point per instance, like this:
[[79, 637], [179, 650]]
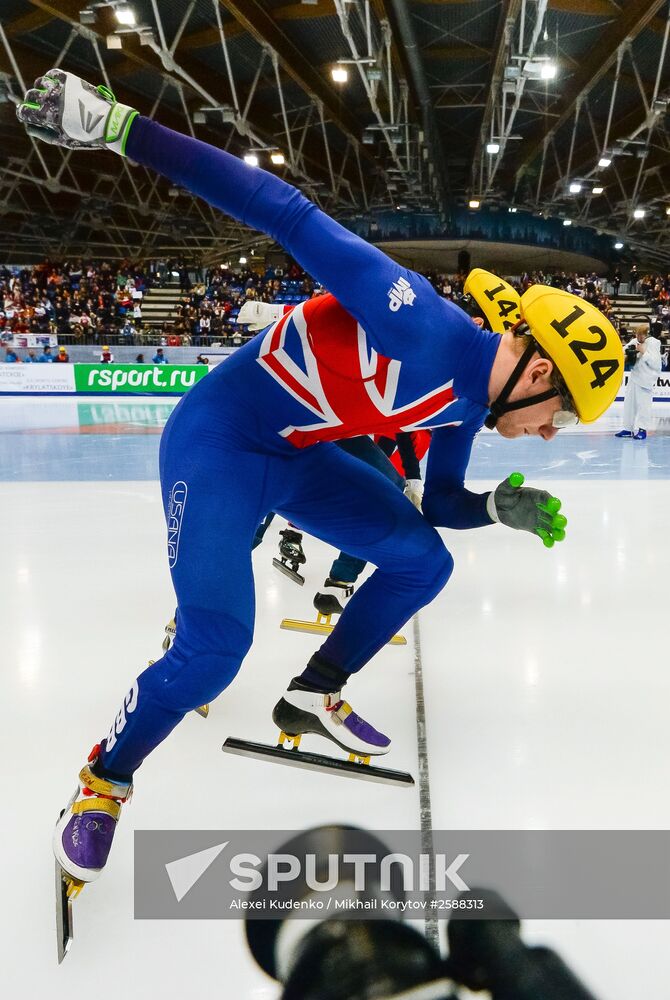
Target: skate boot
[[168, 641], [641, 435], [624, 434], [291, 555], [329, 601], [82, 841], [83, 835], [301, 710]]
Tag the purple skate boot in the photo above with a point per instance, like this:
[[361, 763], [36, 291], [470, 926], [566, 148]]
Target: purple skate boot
[[82, 841], [84, 833], [301, 711]]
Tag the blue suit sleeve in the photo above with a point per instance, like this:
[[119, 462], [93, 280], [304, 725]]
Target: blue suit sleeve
[[400, 311], [446, 502]]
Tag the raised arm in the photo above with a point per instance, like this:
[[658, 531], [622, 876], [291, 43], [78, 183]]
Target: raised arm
[[388, 300], [401, 313]]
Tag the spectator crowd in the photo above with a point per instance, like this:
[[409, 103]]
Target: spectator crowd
[[78, 302], [101, 303]]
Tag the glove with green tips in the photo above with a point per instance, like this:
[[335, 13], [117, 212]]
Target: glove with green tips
[[64, 110], [527, 509]]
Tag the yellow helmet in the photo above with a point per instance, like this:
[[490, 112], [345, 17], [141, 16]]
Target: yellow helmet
[[581, 342], [498, 300], [572, 333], [105, 347]]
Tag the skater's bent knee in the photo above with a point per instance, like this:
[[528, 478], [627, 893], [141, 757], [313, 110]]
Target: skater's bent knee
[[442, 567]]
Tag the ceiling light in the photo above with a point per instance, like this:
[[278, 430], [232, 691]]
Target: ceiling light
[[548, 71], [575, 187], [340, 74], [567, 222], [639, 213], [618, 246], [199, 118], [493, 147], [125, 15], [604, 161], [242, 260], [251, 159], [511, 209], [114, 42], [473, 203], [598, 190], [87, 16], [667, 210], [277, 158]]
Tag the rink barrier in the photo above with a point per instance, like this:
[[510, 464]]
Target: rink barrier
[[661, 389], [143, 380], [99, 379]]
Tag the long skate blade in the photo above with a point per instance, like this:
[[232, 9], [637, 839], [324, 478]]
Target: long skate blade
[[320, 628], [317, 762], [67, 889], [287, 571], [203, 711], [64, 926]]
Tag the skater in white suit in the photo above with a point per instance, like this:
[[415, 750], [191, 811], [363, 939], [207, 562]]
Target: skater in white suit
[[641, 382]]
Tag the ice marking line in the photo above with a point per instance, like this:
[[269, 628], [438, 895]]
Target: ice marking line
[[425, 808]]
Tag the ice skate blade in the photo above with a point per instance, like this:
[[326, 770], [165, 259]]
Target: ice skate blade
[[324, 626], [67, 889], [292, 574], [317, 762]]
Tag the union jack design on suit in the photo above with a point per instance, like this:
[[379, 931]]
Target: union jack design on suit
[[344, 382]]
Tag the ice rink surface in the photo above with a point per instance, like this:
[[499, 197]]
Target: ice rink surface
[[546, 688]]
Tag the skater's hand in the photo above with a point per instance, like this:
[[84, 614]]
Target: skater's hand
[[527, 509], [414, 492], [64, 110]]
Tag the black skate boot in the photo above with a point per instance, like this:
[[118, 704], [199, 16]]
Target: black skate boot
[[291, 555], [330, 600]]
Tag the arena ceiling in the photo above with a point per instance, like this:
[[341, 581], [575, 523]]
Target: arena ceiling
[[507, 103]]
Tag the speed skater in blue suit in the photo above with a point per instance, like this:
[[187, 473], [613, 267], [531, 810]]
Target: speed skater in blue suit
[[381, 353]]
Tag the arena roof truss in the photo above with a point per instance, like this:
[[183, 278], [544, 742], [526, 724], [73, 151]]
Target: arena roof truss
[[513, 104], [285, 105]]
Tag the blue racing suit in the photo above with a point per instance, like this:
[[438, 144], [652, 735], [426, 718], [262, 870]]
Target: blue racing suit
[[382, 352]]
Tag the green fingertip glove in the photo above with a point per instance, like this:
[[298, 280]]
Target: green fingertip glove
[[64, 110], [527, 509]]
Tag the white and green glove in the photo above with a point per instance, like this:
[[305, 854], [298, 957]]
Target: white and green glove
[[65, 111], [527, 509]]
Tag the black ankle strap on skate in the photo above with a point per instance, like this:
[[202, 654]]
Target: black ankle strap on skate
[[321, 676]]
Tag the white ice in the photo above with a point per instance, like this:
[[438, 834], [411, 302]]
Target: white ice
[[547, 696]]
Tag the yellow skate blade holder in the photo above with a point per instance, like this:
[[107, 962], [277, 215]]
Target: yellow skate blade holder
[[324, 626], [359, 758], [285, 738]]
